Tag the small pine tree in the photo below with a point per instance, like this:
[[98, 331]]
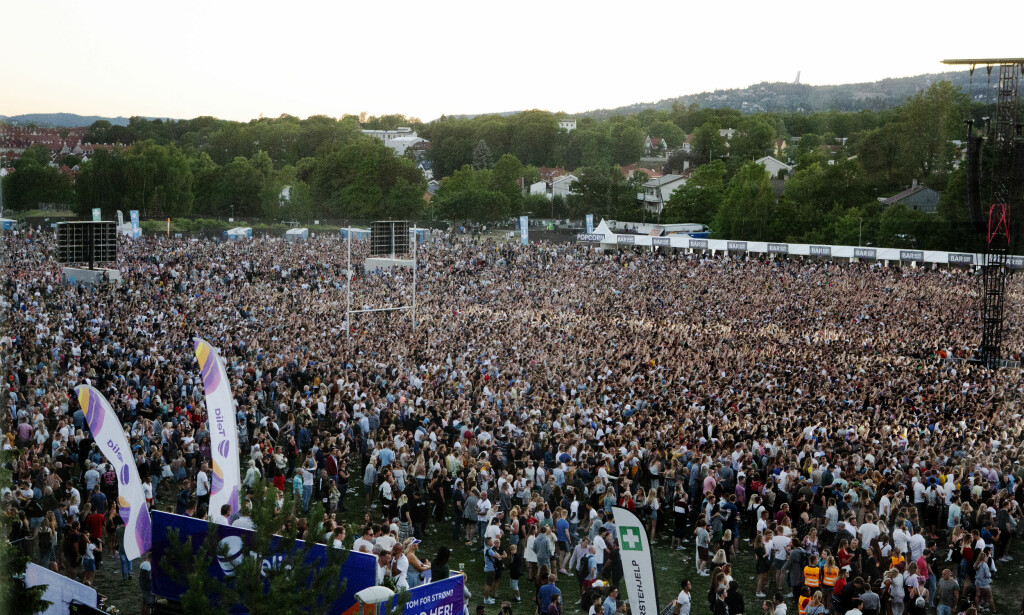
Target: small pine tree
[[292, 586], [482, 156], [15, 598]]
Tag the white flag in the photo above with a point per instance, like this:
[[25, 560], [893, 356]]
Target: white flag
[[220, 409], [637, 567], [109, 435]]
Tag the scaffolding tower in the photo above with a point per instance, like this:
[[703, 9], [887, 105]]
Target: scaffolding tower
[[995, 176]]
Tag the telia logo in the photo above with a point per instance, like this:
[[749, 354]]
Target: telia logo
[[223, 448], [125, 474]]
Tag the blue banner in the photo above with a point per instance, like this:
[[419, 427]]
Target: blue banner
[[358, 571], [590, 223], [445, 597], [524, 229], [136, 231]]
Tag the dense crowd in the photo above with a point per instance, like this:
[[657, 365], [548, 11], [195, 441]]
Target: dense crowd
[[817, 419]]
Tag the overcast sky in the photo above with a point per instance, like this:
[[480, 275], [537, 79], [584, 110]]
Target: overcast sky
[[240, 60]]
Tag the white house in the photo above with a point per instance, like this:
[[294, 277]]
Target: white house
[[561, 185], [540, 187], [659, 190], [400, 144], [399, 139], [774, 167], [567, 124], [387, 135]]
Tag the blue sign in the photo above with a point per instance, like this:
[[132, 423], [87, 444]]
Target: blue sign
[[446, 597], [358, 571], [524, 229], [590, 223]]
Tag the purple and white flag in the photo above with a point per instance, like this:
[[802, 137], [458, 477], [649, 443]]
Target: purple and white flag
[[220, 408], [106, 429]]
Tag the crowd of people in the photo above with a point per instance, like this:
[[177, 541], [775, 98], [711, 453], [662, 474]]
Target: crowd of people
[[819, 420]]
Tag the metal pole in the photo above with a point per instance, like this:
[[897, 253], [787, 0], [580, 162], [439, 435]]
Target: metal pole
[[860, 232], [414, 264], [348, 289]]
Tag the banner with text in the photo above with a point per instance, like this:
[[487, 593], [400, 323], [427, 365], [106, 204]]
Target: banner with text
[[524, 229], [635, 553], [109, 435], [358, 570], [220, 409], [590, 223], [444, 597]]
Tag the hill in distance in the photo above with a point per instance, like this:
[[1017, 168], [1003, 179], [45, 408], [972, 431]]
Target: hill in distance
[[787, 97], [765, 96], [63, 120]]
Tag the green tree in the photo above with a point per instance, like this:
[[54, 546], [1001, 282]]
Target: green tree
[[507, 178], [748, 207], [754, 139], [34, 182], [707, 142], [16, 598], [627, 143], [481, 156], [698, 200], [672, 134], [469, 195]]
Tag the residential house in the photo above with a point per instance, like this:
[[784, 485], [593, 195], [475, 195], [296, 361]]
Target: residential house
[[659, 190], [540, 187], [654, 146], [568, 124], [628, 170], [917, 197], [548, 174], [562, 185], [426, 168], [776, 168]]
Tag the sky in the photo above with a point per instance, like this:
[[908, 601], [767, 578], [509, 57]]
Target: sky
[[240, 60]]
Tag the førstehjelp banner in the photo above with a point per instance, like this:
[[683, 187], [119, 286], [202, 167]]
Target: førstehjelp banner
[[637, 567]]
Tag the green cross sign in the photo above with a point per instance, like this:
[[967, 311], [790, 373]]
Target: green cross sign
[[630, 539]]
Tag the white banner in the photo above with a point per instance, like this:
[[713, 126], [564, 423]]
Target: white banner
[[61, 592], [106, 429], [220, 409], [635, 553]]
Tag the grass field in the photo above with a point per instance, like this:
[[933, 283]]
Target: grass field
[[670, 567]]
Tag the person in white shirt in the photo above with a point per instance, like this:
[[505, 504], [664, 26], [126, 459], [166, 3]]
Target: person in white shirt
[[399, 567], [868, 530], [244, 521], [682, 602], [221, 518], [885, 505], [364, 543], [203, 485]]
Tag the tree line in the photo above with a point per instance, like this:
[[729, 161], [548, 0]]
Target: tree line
[[844, 162]]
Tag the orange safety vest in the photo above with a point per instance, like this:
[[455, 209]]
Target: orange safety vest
[[802, 604], [812, 576], [831, 574], [896, 561]]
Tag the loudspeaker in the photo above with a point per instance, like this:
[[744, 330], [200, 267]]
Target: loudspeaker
[[86, 243], [389, 237]]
